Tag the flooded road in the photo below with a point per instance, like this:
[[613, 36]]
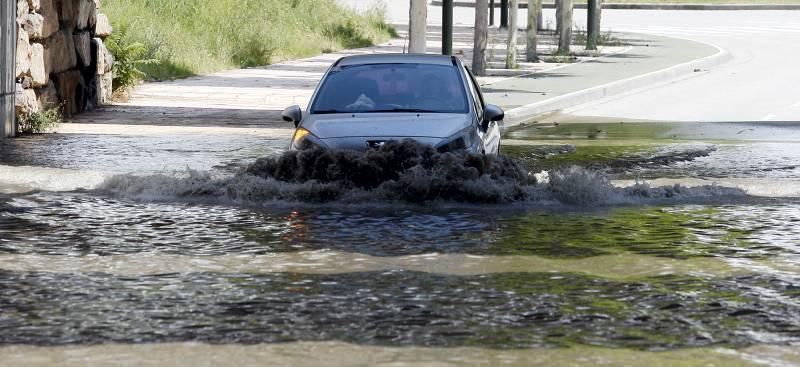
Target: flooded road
[[668, 244]]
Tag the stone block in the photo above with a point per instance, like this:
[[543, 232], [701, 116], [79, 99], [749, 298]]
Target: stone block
[[48, 96], [103, 27], [62, 52], [38, 69], [35, 5], [83, 47], [23, 57], [104, 89], [25, 101], [72, 91], [50, 14], [105, 61], [34, 24], [68, 13], [87, 14], [27, 82], [22, 10]]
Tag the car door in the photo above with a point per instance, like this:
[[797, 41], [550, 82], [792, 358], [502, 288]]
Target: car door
[[490, 136]]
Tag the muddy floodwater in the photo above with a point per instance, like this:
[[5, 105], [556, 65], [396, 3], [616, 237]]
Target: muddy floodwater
[[664, 244]]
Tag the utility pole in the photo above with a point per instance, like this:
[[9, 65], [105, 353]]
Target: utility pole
[[503, 13], [491, 12], [447, 27], [418, 19], [8, 44]]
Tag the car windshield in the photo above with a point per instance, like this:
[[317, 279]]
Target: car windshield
[[392, 88]]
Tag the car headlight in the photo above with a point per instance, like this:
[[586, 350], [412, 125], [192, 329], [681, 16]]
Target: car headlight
[[462, 140], [304, 139]]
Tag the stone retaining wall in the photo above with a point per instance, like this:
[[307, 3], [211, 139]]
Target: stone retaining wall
[[61, 58]]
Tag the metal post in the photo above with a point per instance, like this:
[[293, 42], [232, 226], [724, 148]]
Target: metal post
[[593, 24], [503, 13], [447, 27], [8, 44], [491, 12]]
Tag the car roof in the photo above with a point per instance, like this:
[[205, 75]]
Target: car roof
[[395, 58]]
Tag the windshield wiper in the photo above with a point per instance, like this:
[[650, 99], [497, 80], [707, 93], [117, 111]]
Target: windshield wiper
[[418, 110]]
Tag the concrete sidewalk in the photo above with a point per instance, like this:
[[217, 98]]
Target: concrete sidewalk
[[254, 98]]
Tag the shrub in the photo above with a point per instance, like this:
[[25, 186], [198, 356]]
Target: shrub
[[128, 57], [39, 122]]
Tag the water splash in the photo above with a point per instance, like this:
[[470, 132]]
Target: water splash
[[405, 172]]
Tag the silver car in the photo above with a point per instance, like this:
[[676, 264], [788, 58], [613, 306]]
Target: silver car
[[364, 101]]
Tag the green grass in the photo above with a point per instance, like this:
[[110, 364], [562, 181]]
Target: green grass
[[201, 36]]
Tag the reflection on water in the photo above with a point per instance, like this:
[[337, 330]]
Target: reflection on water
[[509, 310], [652, 150], [84, 224], [137, 153]]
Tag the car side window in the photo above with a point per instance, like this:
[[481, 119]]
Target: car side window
[[476, 94]]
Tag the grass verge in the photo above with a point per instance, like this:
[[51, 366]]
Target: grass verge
[[200, 36]]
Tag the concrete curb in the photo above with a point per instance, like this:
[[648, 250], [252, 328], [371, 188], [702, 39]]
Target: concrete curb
[[524, 114], [469, 4]]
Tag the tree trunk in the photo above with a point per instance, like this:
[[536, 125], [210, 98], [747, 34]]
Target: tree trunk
[[593, 24], [418, 19], [481, 36], [558, 16], [533, 25], [565, 36], [513, 24]]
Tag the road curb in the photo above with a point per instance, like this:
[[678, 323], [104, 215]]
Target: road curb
[[468, 4], [524, 114]]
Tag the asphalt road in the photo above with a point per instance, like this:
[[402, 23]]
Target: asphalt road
[[760, 81]]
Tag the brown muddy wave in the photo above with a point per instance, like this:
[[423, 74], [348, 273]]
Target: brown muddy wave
[[400, 172]]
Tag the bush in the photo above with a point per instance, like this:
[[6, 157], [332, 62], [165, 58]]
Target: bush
[[39, 122]]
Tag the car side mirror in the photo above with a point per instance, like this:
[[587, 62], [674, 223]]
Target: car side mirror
[[492, 113], [292, 114]]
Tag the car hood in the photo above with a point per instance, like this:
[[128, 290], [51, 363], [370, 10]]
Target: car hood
[[434, 125]]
